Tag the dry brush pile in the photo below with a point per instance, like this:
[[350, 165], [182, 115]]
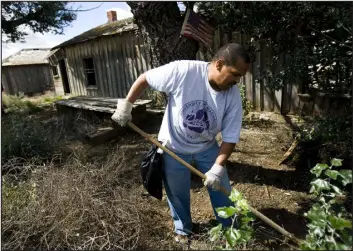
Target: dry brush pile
[[53, 198]]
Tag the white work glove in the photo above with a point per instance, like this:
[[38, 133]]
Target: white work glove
[[122, 113], [213, 177]]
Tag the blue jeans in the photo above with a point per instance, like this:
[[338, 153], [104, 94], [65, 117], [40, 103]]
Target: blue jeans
[[177, 181]]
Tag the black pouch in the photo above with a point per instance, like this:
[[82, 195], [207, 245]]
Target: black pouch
[[152, 173]]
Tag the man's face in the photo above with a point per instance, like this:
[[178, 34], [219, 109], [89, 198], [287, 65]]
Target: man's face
[[227, 76]]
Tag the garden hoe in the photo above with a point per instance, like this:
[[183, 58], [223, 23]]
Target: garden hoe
[[201, 175]]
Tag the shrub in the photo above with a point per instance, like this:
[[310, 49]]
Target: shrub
[[26, 138], [330, 226]]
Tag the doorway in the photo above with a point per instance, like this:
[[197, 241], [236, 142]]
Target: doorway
[[64, 77]]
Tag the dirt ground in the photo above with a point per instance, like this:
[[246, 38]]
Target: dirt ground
[[278, 191]]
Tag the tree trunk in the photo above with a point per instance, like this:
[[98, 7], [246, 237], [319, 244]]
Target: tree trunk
[[160, 24]]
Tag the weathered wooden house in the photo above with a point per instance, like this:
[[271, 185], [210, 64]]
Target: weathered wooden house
[[103, 61], [27, 71]]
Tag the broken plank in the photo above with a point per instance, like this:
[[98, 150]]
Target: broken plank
[[102, 135]]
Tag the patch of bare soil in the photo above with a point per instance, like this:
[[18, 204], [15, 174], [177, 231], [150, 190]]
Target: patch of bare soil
[[278, 191]]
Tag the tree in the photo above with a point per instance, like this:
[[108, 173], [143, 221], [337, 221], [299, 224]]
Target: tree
[[317, 35], [160, 24], [38, 16]]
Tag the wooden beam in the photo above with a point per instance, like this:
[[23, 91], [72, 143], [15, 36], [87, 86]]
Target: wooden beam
[[103, 135]]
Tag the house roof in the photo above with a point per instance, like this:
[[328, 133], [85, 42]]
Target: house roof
[[112, 28], [27, 57]]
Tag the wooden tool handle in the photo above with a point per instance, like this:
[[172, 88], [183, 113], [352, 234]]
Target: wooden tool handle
[[157, 143], [222, 189]]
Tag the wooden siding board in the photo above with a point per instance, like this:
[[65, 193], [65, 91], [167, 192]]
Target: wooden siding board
[[261, 69], [295, 102], [98, 69], [131, 45], [127, 75], [103, 63], [69, 64], [107, 65], [123, 65], [268, 92], [284, 106], [129, 62], [112, 60], [256, 82], [119, 67]]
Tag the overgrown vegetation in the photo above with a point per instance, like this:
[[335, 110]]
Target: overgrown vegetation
[[241, 230], [324, 137], [25, 137], [58, 193], [13, 103], [74, 206], [316, 37], [20, 103], [330, 225]]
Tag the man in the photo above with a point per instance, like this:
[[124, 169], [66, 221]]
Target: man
[[203, 101]]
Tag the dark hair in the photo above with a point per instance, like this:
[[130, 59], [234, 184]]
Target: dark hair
[[230, 54]]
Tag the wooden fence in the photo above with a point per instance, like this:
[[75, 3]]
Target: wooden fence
[[287, 100]]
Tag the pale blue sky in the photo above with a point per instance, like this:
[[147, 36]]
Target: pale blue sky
[[85, 21]]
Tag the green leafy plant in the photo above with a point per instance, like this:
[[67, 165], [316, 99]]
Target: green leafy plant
[[241, 230], [330, 227], [247, 105]]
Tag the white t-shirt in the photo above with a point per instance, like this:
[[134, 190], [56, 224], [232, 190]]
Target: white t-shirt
[[195, 113]]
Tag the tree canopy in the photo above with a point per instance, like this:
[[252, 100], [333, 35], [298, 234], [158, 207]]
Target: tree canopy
[[40, 17], [160, 24], [317, 35]]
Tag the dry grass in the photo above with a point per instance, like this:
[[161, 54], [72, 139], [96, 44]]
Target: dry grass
[[58, 193], [74, 206], [58, 199]]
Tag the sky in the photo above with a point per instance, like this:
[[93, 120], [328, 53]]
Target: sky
[[84, 21]]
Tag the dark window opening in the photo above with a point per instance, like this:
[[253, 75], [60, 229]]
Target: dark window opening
[[89, 69], [55, 71]]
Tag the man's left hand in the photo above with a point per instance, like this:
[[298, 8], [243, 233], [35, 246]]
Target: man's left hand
[[213, 177]]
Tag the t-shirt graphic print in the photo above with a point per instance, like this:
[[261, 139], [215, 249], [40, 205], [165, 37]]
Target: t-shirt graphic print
[[197, 119]]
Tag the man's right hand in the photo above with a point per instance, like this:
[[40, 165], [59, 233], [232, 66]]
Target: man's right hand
[[122, 113]]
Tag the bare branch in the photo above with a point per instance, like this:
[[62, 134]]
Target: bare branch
[[330, 37], [345, 28], [78, 9]]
